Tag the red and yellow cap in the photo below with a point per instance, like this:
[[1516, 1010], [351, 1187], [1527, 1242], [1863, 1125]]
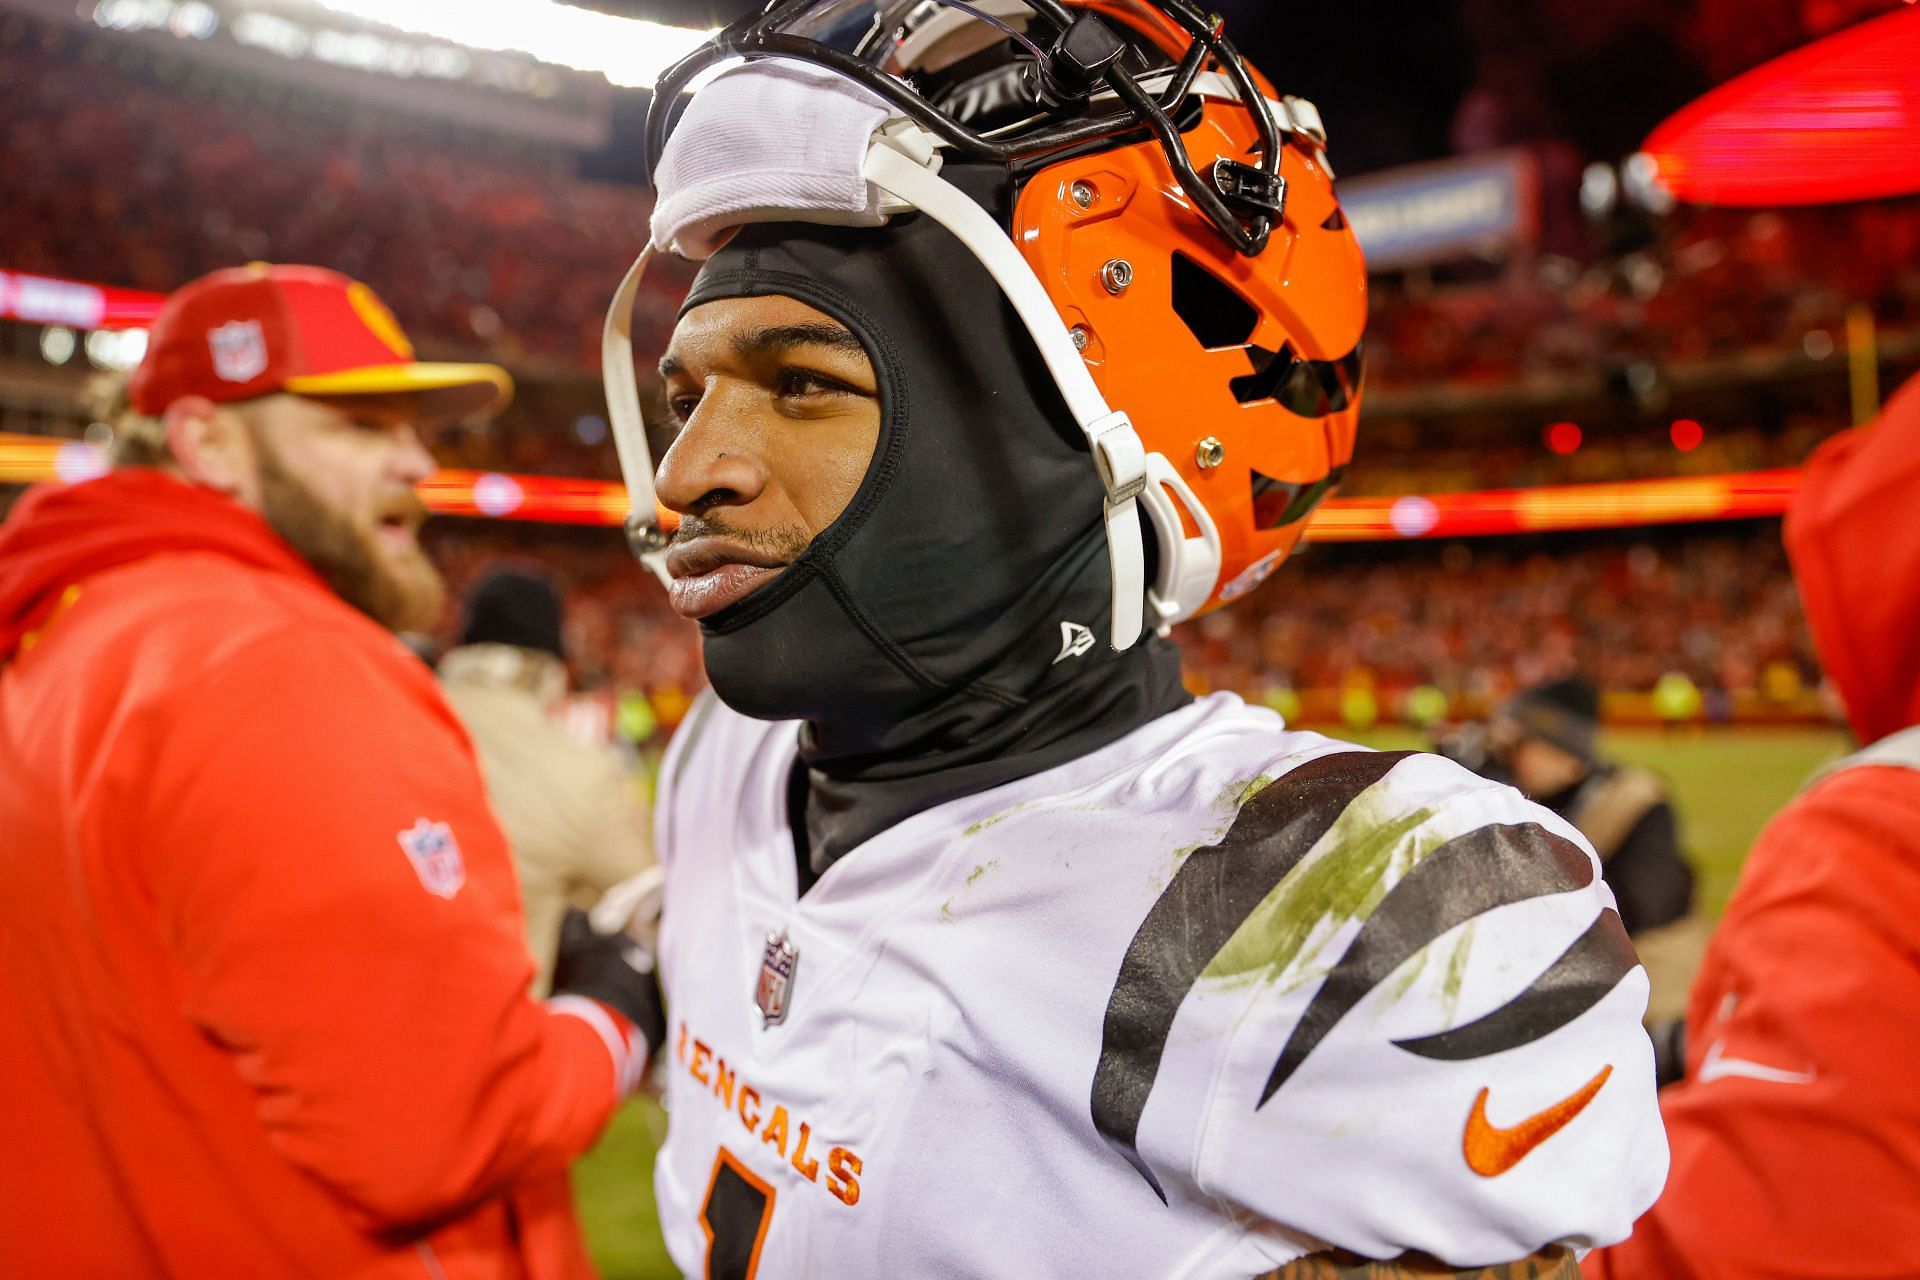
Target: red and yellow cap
[[249, 331]]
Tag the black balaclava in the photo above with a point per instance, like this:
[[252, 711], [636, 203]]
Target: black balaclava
[[920, 636]]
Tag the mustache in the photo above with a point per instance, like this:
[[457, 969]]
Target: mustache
[[787, 544], [408, 506]]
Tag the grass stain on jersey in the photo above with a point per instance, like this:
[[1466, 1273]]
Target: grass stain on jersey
[[1303, 976], [1234, 798], [995, 819], [1367, 851], [1409, 974], [1456, 975], [1452, 978], [947, 914], [1228, 803], [1180, 857]]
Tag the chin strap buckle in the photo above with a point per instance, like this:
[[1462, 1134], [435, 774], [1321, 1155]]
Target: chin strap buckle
[[1121, 461], [1119, 456]]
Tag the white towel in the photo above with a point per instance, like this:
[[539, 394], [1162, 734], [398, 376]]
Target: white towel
[[768, 141]]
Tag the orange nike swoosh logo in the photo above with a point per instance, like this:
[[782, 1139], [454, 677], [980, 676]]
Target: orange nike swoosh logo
[[1492, 1150]]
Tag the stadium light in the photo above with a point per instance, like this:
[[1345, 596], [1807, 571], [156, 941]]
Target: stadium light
[[630, 52], [116, 349], [58, 343]]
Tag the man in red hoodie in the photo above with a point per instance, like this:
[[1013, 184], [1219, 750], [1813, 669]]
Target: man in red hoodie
[[1796, 1135], [261, 964]]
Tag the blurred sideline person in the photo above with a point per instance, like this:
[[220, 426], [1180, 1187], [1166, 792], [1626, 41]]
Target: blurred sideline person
[[260, 945], [988, 949], [568, 809], [1796, 1136], [1546, 742]]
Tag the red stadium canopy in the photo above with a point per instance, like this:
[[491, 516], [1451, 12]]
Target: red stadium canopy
[[1836, 120]]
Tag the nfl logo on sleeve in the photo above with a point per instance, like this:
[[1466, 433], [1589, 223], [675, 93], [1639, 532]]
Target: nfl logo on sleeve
[[435, 856], [774, 992]]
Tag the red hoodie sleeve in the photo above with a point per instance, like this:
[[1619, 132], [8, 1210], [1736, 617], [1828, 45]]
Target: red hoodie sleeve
[[1796, 1136], [344, 911]]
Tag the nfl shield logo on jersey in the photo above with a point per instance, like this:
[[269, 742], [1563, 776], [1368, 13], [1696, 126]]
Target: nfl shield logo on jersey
[[239, 350], [435, 856], [774, 992]]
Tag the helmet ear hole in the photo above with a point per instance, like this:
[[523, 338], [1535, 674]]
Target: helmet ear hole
[[1277, 375], [1210, 307], [1308, 388]]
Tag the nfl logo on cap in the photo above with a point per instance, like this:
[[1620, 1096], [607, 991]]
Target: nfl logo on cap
[[239, 350], [774, 992]]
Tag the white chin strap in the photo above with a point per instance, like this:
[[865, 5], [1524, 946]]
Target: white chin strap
[[644, 534], [901, 163]]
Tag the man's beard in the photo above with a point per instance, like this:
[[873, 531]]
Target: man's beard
[[397, 587]]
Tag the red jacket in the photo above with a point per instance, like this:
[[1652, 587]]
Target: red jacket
[[263, 1003], [1796, 1136]]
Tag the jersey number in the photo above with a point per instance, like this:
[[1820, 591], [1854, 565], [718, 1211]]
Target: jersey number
[[735, 1216]]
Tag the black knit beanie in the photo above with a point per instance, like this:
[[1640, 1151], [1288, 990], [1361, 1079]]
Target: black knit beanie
[[515, 607], [1565, 713]]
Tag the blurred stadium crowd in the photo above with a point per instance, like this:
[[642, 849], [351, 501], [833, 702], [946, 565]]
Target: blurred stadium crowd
[[1714, 284], [1480, 621], [1347, 634], [1383, 469], [488, 247], [498, 248]]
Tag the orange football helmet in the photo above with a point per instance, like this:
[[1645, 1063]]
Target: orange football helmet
[[1174, 247]]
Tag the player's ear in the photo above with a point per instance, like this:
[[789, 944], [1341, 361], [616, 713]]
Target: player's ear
[[212, 446]]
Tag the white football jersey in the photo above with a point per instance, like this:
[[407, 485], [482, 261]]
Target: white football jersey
[[1215, 996]]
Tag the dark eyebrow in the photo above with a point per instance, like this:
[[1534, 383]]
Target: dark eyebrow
[[777, 339], [784, 337]]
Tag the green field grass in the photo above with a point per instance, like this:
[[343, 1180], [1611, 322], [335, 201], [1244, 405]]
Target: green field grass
[[1725, 786], [614, 1188]]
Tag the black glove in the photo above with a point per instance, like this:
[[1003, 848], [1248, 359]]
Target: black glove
[[610, 968]]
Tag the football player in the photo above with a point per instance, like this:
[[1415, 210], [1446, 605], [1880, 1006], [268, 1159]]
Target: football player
[[1024, 331]]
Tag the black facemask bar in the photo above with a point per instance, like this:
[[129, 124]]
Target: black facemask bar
[[1242, 201]]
